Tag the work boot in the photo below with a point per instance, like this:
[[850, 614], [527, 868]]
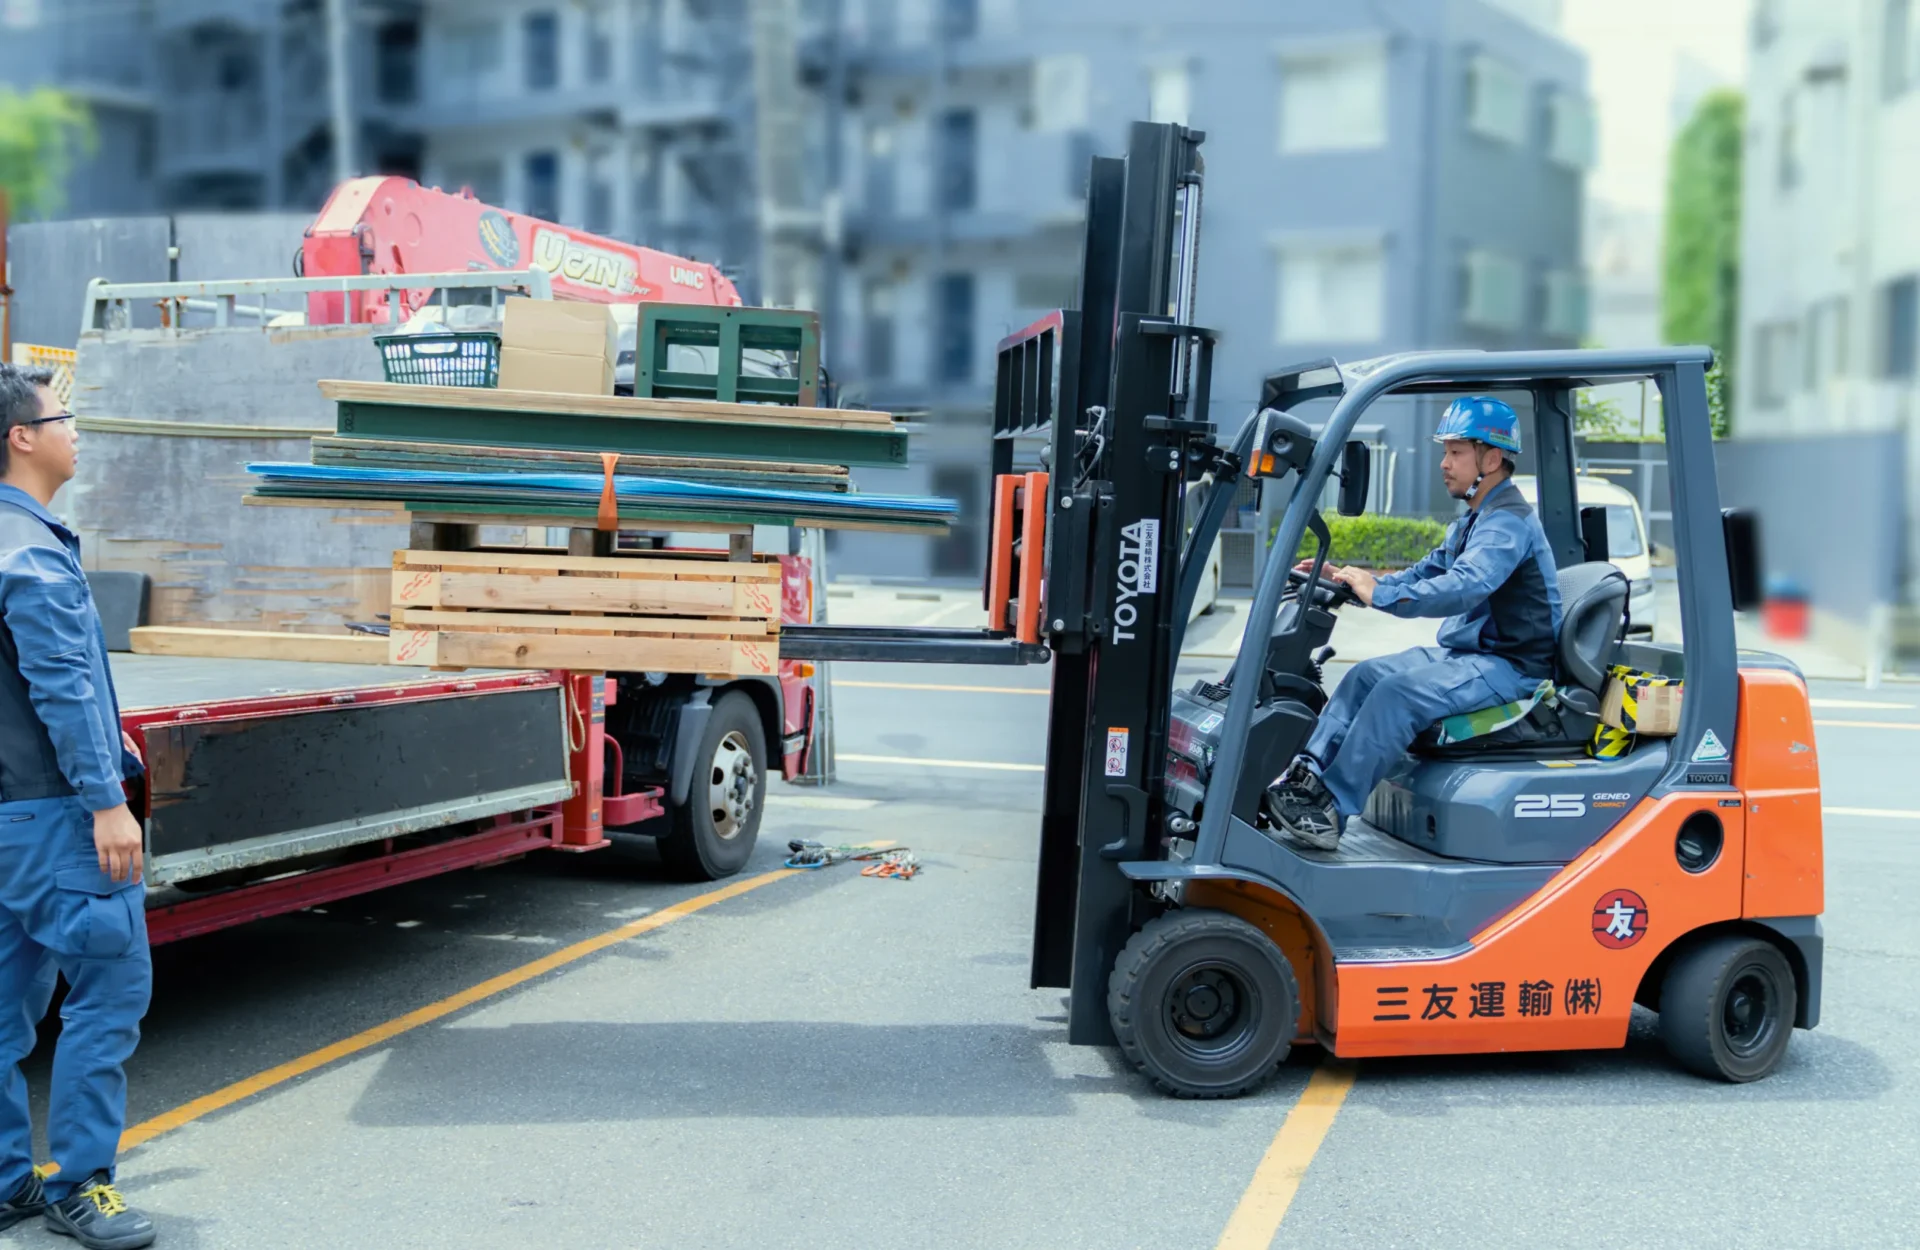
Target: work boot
[[96, 1216], [29, 1199], [1300, 805]]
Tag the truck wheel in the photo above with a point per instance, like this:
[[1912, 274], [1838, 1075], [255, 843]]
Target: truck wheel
[[1203, 1003], [713, 832], [1727, 1008]]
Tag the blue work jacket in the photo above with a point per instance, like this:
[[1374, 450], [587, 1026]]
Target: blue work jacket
[[1493, 579], [59, 716]]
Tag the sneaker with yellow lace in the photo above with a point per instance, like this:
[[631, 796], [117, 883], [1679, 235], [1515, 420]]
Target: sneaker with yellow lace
[[29, 1199], [96, 1216]]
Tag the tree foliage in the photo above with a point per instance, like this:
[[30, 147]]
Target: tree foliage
[[41, 133], [1700, 282]]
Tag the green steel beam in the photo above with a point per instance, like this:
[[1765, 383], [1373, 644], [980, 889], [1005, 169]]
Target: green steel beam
[[635, 433]]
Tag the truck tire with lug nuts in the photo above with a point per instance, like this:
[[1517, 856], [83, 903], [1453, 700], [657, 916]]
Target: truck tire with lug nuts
[[713, 832], [1203, 1003]]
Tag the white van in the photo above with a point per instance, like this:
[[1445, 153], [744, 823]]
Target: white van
[[1627, 547]]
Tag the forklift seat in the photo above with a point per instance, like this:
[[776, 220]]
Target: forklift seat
[[1593, 619]]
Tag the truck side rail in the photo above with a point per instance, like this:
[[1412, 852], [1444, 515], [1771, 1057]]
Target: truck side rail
[[109, 304]]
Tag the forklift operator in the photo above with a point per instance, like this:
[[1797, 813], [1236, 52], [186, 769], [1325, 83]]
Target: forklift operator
[[1493, 578]]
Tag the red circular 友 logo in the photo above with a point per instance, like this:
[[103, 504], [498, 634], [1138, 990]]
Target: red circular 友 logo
[[1619, 919]]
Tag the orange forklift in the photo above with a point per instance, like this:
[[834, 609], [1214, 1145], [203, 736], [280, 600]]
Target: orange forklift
[[1508, 887]]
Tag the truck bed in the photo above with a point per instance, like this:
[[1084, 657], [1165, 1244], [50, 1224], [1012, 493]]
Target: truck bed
[[155, 681], [255, 764]]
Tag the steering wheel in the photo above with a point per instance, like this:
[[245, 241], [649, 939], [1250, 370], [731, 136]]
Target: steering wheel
[[1325, 592]]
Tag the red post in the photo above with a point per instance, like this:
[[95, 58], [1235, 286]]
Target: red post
[[586, 711]]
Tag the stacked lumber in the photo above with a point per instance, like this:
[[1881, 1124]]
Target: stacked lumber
[[667, 613]]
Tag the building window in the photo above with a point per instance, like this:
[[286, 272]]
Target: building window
[[1778, 357], [959, 19], [880, 170], [1061, 87], [1168, 94], [879, 331], [600, 206], [1766, 23], [1566, 313], [1496, 292], [1333, 100], [1788, 173], [953, 329], [482, 177], [472, 52], [956, 161], [1331, 293], [396, 52], [543, 185], [1496, 100], [1826, 342], [1569, 130], [1897, 50], [542, 34], [597, 33], [1900, 328]]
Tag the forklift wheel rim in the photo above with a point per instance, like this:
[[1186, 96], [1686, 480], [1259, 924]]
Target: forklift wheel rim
[[1212, 1012], [1749, 1011], [730, 785]]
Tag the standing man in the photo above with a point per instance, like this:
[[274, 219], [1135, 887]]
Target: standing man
[[1495, 582], [70, 850]]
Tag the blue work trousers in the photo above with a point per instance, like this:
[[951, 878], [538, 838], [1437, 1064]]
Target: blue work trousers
[[58, 910], [1383, 704]]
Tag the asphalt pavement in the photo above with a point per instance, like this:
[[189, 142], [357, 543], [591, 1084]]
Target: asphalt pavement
[[831, 1060]]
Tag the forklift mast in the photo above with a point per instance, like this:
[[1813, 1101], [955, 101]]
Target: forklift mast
[[1118, 388]]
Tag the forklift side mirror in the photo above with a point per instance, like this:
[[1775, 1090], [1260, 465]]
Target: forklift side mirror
[[1593, 533], [1356, 472], [1741, 529]]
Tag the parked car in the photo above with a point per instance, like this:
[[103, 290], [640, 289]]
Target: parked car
[[1627, 546]]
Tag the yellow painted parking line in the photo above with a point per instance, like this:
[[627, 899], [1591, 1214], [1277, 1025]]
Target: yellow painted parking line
[[1860, 703], [187, 1113], [1277, 1179], [1866, 724], [1876, 813], [843, 757], [928, 685]]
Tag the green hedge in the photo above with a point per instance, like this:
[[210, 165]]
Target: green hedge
[[1377, 542]]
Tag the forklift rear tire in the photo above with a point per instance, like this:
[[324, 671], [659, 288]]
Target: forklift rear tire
[[1727, 1008], [711, 835], [1203, 1003]]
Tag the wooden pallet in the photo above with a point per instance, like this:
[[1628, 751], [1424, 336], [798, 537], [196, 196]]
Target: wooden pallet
[[654, 613]]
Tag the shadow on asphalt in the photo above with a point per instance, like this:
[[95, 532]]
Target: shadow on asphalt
[[681, 1070], [1820, 1067]]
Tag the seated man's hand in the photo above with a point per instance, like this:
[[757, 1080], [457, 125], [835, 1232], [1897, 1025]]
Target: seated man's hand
[[1358, 580]]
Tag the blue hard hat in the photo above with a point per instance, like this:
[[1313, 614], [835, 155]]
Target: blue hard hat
[[1483, 419]]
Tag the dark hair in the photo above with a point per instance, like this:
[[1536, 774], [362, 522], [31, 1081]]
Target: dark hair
[[19, 400]]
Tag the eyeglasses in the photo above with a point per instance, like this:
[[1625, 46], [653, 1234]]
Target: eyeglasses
[[58, 416]]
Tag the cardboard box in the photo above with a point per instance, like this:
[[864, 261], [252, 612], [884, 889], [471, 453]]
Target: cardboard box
[[558, 345], [1656, 707], [527, 369]]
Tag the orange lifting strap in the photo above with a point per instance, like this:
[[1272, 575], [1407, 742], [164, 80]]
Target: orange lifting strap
[[1018, 556]]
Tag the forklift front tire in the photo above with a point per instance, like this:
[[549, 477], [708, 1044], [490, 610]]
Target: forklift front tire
[[1203, 1003], [711, 835], [1727, 1008]]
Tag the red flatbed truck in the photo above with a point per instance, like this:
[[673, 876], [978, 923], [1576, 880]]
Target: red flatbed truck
[[274, 786]]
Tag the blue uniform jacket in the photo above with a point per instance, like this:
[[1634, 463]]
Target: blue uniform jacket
[[1493, 579], [58, 651]]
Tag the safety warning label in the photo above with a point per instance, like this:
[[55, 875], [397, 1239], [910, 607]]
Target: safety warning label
[[1117, 752]]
